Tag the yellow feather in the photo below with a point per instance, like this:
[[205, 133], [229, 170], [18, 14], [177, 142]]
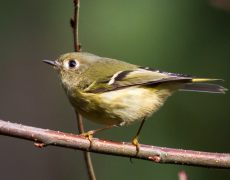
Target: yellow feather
[[201, 80]]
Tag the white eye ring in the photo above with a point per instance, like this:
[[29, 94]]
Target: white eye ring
[[71, 64]]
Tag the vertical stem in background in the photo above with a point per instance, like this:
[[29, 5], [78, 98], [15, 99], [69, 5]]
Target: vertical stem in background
[[77, 48], [87, 155], [74, 24]]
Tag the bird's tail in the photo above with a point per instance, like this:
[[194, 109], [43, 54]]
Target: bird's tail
[[204, 85]]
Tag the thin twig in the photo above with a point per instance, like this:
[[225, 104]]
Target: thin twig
[[43, 137], [87, 155], [74, 22]]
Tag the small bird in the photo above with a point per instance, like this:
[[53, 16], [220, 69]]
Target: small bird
[[115, 93]]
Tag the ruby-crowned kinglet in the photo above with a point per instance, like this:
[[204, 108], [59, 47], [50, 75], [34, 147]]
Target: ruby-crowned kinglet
[[113, 92]]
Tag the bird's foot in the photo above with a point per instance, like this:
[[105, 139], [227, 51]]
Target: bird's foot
[[89, 136], [135, 142]]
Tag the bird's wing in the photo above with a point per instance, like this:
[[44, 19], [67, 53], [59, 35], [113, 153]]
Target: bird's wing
[[139, 76]]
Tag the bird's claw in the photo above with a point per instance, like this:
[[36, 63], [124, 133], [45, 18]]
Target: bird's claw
[[89, 136], [135, 142]]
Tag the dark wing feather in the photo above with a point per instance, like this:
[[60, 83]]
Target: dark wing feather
[[123, 79]]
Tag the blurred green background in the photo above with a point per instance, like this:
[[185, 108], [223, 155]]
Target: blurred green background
[[191, 37]]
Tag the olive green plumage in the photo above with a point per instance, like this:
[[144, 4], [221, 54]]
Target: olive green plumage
[[112, 92]]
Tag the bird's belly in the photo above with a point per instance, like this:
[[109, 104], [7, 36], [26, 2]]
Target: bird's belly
[[133, 103], [125, 105]]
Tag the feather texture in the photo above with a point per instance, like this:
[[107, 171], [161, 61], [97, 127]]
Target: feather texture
[[137, 77], [204, 87]]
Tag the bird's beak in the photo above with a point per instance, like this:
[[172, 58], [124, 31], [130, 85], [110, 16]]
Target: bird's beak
[[52, 63]]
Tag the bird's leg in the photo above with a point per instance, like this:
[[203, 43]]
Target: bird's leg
[[89, 134], [135, 141]]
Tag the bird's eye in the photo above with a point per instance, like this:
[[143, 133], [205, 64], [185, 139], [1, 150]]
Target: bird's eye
[[71, 64]]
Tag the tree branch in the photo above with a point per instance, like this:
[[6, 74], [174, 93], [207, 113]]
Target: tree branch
[[43, 137]]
